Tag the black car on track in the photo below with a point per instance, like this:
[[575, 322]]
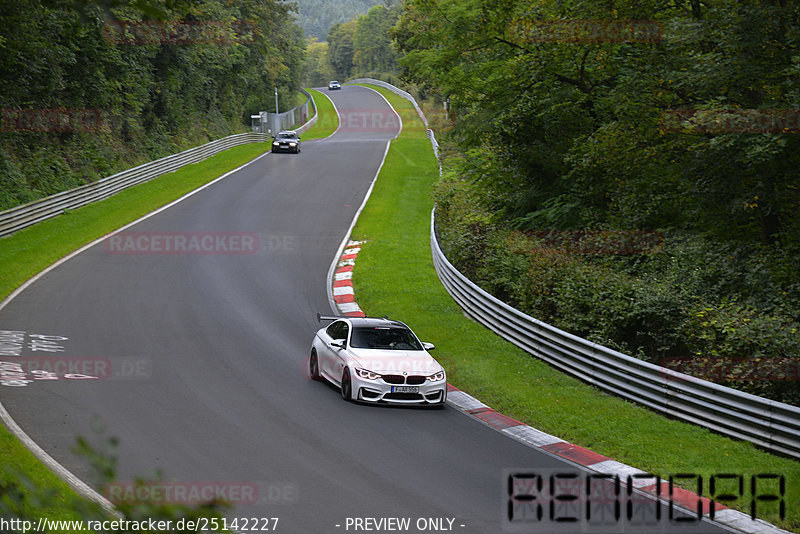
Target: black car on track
[[286, 141]]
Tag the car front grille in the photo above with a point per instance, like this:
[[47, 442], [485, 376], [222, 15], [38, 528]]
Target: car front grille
[[413, 380], [394, 379]]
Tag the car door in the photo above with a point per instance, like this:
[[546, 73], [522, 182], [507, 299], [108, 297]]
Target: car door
[[335, 333], [340, 354]]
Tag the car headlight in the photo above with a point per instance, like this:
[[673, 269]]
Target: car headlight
[[367, 375], [275, 143], [436, 377], [292, 144]]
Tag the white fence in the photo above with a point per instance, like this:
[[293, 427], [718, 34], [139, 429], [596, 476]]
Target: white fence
[[272, 123]]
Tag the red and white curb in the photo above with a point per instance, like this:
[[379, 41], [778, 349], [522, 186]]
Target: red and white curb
[[686, 500], [343, 294], [344, 297]]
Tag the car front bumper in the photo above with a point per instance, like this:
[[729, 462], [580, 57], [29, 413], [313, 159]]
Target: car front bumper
[[379, 392], [284, 148]]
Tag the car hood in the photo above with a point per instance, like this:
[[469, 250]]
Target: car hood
[[413, 362]]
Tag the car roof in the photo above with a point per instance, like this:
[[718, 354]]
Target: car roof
[[291, 132], [374, 322]]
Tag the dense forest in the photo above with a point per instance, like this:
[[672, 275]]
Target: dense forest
[[627, 171], [360, 47], [316, 17], [90, 88]]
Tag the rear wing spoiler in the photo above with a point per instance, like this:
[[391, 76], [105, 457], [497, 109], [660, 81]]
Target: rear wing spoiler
[[321, 317]]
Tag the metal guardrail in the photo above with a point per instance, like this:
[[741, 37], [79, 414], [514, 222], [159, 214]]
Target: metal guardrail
[[309, 103], [396, 91], [410, 98], [275, 122], [769, 424], [25, 215]]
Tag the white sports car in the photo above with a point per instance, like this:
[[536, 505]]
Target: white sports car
[[377, 361]]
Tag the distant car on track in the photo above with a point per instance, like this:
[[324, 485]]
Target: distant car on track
[[378, 361], [333, 85], [286, 141]]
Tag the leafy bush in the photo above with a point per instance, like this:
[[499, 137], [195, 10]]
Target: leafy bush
[[722, 311], [21, 499], [742, 347], [13, 187]]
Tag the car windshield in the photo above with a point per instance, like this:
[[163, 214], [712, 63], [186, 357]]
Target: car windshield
[[285, 136], [383, 337]]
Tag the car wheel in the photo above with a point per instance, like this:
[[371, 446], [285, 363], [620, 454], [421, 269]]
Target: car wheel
[[347, 385], [313, 366]]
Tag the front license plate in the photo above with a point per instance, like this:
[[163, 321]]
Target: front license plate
[[405, 389]]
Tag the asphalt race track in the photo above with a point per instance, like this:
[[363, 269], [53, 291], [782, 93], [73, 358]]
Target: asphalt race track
[[201, 359]]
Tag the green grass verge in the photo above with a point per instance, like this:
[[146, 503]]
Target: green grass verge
[[47, 495], [394, 275], [328, 119], [29, 251], [299, 99]]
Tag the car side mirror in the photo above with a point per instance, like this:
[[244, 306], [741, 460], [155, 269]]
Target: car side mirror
[[339, 344], [428, 346]]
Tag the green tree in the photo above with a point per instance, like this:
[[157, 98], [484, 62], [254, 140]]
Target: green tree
[[316, 17], [372, 47], [154, 96], [575, 124], [340, 48], [317, 68]]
